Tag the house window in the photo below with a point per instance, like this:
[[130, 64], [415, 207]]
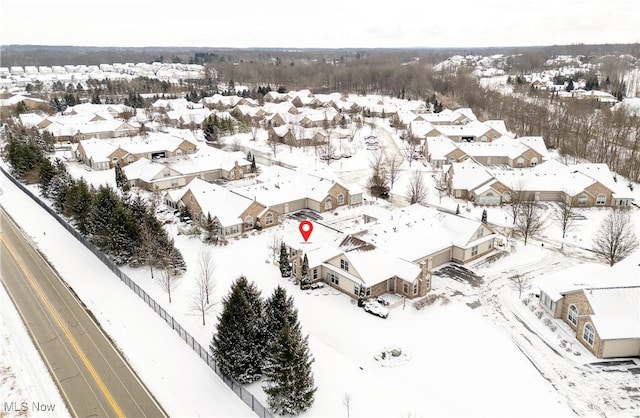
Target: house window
[[458, 193], [333, 278], [232, 175], [130, 159], [356, 289], [506, 196], [452, 160], [588, 334], [190, 151], [601, 199], [190, 198], [174, 183], [582, 199], [405, 287], [572, 314], [248, 222], [520, 162], [268, 219], [344, 264], [367, 291], [341, 199], [328, 204], [474, 250], [534, 161], [480, 233], [415, 288], [314, 274], [179, 153], [491, 244], [166, 173]]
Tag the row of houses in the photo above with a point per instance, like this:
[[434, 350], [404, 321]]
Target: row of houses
[[580, 185], [275, 192]]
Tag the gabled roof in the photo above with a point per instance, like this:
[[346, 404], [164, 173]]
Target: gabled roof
[[97, 150], [375, 266], [218, 201], [616, 311], [469, 175]]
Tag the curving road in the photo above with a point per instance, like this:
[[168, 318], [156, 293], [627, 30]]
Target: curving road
[[91, 374]]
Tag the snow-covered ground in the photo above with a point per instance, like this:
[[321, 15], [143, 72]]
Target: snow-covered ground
[[481, 354]]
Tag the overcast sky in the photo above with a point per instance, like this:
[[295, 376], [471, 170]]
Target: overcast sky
[[321, 24]]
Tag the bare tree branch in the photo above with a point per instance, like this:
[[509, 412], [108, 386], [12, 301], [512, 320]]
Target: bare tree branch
[[417, 191], [615, 239], [202, 300], [528, 220]]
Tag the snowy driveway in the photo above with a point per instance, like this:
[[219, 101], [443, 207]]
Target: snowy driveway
[[596, 389]]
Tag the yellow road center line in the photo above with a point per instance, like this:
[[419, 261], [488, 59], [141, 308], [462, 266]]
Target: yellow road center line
[[65, 330]]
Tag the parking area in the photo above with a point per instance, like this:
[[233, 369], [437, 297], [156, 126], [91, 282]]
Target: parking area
[[460, 274], [303, 214]]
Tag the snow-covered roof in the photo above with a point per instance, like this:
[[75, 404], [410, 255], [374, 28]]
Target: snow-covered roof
[[97, 150], [616, 311], [218, 201], [403, 231], [473, 128], [282, 185], [439, 146], [376, 265], [601, 173], [469, 175]]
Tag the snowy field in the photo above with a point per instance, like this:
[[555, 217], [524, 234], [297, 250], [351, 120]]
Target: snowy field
[[481, 354]]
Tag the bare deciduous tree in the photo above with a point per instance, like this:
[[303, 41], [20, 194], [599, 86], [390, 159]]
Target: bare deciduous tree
[[528, 220], [521, 283], [274, 247], [168, 276], [148, 247], [517, 197], [409, 149], [565, 216], [379, 180], [346, 401], [202, 301], [417, 191], [441, 185], [615, 239], [255, 127], [393, 163]]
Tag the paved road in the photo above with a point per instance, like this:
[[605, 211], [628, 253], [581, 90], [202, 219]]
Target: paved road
[[90, 373]]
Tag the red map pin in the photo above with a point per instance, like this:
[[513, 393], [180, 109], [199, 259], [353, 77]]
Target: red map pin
[[306, 228]]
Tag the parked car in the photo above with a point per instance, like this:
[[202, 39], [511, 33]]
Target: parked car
[[375, 308]]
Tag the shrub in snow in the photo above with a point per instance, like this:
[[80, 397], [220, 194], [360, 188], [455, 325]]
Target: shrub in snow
[[539, 314], [547, 322], [553, 327], [532, 308], [526, 301]]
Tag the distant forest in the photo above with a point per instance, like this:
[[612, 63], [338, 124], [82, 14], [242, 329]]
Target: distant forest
[[532, 57]]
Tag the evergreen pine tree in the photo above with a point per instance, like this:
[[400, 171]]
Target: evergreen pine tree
[[484, 216], [289, 383], [47, 172], [99, 216], [305, 280], [458, 210], [121, 240], [253, 164], [234, 346], [285, 265], [78, 204], [278, 308], [121, 179]]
